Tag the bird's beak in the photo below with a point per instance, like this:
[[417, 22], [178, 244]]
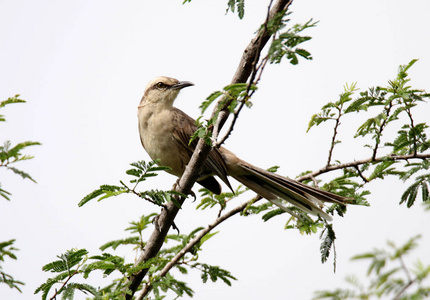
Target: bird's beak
[[181, 84]]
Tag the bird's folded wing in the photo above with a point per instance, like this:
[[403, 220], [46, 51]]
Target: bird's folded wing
[[184, 129]]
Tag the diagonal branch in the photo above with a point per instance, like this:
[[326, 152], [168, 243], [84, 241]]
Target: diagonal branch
[[196, 240], [185, 183]]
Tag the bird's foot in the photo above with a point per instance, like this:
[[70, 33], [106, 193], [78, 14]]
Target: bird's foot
[[176, 185]]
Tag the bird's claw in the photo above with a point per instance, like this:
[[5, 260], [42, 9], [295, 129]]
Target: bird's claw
[[176, 184]]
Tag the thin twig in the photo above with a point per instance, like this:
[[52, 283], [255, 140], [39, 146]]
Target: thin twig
[[64, 284], [381, 128], [333, 140], [361, 174], [405, 269], [408, 111], [399, 294]]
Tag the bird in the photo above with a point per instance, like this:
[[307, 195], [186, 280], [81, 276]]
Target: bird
[[165, 132]]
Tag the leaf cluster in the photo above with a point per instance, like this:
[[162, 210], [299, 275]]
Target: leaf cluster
[[231, 95], [77, 264], [67, 266], [140, 173], [404, 155], [286, 43], [232, 5], [187, 263], [12, 154], [236, 5], [230, 98], [209, 199], [7, 250], [389, 276]]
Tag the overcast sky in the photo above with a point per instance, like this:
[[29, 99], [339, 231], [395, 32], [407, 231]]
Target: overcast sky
[[82, 66]]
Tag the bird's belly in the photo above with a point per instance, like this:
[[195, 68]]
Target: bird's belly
[[161, 148]]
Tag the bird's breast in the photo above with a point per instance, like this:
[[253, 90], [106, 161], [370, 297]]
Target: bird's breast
[[156, 134]]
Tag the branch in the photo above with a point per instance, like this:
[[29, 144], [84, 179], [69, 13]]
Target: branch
[[408, 111], [199, 156], [361, 162], [399, 294]]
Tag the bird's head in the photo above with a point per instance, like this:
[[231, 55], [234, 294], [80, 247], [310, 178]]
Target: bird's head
[[163, 90]]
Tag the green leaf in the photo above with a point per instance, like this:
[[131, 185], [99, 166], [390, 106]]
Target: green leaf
[[5, 194], [21, 173], [286, 43], [134, 240], [214, 273], [10, 100], [411, 193], [405, 248], [106, 263], [239, 4], [328, 237], [145, 170], [273, 213], [69, 290], [142, 224], [209, 100], [7, 152], [67, 260], [7, 250], [105, 191], [207, 237]]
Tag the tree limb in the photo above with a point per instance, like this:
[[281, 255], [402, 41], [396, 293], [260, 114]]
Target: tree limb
[[357, 163]]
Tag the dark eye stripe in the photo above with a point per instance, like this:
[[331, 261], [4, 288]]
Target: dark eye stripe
[[161, 85]]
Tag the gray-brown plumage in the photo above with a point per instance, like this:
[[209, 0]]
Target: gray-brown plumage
[[165, 132]]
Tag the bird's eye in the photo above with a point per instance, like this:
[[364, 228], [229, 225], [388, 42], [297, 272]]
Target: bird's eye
[[160, 85]]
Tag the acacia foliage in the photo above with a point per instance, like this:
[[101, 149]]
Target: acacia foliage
[[389, 276], [407, 161]]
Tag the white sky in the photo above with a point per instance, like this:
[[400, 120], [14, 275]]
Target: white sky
[[82, 67]]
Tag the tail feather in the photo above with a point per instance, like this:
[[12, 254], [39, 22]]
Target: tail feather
[[271, 186]]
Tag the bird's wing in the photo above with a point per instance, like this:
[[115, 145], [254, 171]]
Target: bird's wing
[[184, 129]]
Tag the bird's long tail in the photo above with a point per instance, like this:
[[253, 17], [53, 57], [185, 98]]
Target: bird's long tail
[[273, 186]]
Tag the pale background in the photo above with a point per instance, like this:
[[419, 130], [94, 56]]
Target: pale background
[[83, 65]]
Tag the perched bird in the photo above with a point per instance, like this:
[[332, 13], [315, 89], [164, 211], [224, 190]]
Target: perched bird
[[165, 133]]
